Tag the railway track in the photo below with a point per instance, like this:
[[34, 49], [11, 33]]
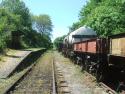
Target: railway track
[[11, 87], [54, 89], [36, 80], [106, 88], [60, 85], [40, 79], [45, 78], [62, 82]]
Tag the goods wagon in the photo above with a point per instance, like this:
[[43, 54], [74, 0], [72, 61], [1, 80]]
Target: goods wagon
[[97, 46], [93, 55], [117, 45], [81, 34], [96, 60], [80, 46], [116, 54], [103, 57], [93, 46]]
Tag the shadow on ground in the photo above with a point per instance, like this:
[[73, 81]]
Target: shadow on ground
[[30, 59]]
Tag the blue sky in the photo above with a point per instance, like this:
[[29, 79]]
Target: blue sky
[[62, 12]]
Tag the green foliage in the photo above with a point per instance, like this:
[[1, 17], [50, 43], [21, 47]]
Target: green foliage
[[106, 17], [74, 27], [35, 39], [18, 7], [15, 18], [16, 26], [43, 24], [2, 43], [8, 22], [58, 41]]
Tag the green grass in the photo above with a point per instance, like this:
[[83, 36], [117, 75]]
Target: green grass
[[5, 83]]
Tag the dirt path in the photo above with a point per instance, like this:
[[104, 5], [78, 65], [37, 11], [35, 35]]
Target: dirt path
[[39, 80], [78, 82]]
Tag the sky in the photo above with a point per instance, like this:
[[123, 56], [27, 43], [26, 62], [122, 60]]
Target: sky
[[63, 13]]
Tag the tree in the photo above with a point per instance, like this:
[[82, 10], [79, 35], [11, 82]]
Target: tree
[[24, 24], [16, 26], [8, 22], [18, 7], [74, 27], [104, 16], [43, 24], [58, 41]]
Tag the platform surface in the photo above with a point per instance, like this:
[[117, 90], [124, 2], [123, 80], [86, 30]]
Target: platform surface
[[10, 61]]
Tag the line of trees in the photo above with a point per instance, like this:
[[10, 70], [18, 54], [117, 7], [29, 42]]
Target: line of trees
[[58, 41], [106, 17], [20, 29]]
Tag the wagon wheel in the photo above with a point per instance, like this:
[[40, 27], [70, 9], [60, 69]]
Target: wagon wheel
[[78, 61]]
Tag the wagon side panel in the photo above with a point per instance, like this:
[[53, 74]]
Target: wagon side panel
[[91, 47], [117, 46], [83, 46]]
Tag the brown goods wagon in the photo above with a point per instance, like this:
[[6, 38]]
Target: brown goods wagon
[[117, 46], [91, 46]]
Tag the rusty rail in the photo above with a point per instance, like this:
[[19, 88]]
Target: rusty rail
[[54, 91], [107, 89]]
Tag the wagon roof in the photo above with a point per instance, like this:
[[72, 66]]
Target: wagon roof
[[84, 30]]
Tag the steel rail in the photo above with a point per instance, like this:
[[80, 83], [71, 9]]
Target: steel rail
[[107, 89], [54, 91]]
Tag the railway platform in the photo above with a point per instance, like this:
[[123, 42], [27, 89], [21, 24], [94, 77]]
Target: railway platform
[[10, 61]]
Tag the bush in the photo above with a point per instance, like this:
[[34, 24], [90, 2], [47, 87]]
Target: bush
[[2, 43]]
